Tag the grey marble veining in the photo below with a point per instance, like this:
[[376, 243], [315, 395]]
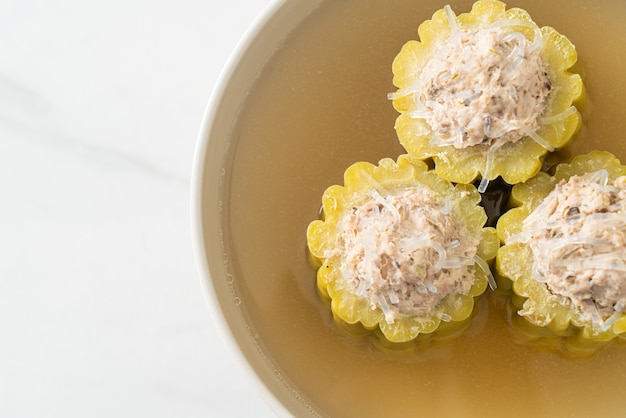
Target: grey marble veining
[[101, 310]]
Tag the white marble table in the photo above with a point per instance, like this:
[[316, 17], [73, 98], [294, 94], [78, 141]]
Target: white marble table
[[101, 310]]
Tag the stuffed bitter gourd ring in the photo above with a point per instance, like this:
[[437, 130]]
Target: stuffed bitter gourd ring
[[565, 248], [400, 249], [486, 93]]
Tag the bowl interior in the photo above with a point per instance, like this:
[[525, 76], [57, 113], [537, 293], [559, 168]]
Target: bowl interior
[[303, 98]]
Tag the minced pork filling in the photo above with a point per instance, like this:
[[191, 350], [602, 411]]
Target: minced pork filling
[[578, 239], [483, 86], [404, 253]]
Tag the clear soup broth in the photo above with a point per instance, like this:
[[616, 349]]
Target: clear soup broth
[[319, 105]]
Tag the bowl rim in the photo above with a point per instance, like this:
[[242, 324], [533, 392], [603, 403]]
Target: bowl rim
[[271, 13]]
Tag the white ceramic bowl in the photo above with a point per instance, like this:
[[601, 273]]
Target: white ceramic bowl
[[258, 44], [310, 368]]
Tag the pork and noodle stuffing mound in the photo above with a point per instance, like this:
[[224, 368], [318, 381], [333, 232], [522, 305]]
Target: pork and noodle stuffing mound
[[400, 249], [565, 248], [485, 94]]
